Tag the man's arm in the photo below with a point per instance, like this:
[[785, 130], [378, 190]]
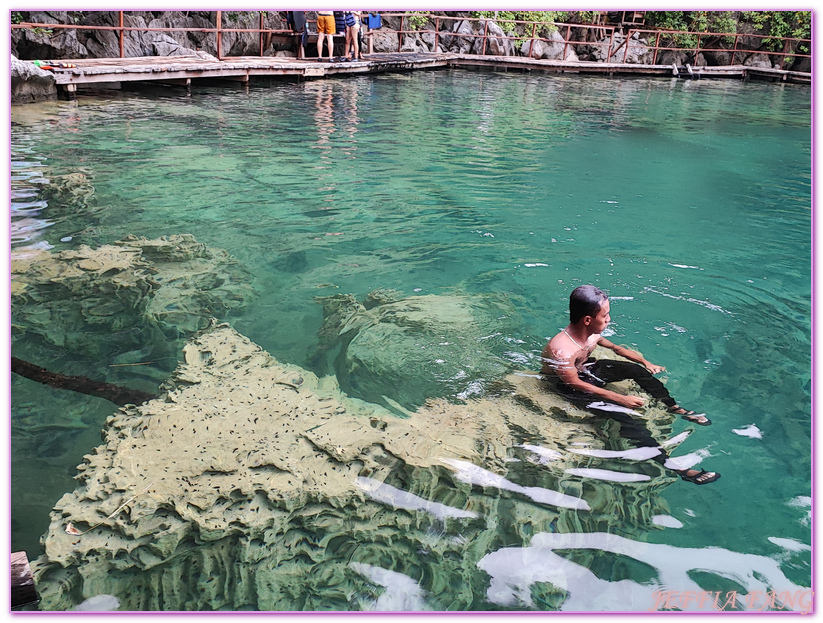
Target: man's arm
[[630, 355], [567, 373]]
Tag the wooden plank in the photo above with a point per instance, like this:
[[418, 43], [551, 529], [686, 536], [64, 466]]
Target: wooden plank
[[23, 591]]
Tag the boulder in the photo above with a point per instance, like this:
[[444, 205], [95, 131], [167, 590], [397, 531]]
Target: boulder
[[106, 43], [638, 51], [551, 49], [384, 41], [163, 45], [418, 344], [496, 42], [758, 60], [802, 64], [672, 57], [459, 42], [721, 58], [29, 83]]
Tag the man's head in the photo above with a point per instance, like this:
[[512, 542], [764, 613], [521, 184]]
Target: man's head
[[586, 301]]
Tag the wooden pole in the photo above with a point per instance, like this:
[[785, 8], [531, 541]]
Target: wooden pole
[[485, 35], [531, 44], [121, 34], [120, 396], [261, 33], [566, 47], [436, 33]]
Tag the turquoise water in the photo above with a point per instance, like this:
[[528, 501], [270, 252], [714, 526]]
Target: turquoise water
[[689, 202]]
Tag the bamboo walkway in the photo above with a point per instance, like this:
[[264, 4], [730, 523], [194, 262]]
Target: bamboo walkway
[[188, 70]]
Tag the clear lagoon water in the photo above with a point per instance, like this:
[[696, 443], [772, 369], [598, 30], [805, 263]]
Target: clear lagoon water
[[689, 202]]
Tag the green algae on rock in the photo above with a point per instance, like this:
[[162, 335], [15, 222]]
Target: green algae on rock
[[416, 344], [133, 292]]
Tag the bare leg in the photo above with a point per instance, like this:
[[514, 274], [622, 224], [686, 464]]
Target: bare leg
[[355, 31], [320, 36]]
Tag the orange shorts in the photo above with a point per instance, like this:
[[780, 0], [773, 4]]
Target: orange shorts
[[325, 25]]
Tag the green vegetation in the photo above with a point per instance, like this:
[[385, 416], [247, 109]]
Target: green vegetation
[[506, 19], [796, 24]]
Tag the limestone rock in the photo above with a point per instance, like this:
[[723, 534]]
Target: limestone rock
[[758, 60], [384, 41], [29, 83], [256, 485], [417, 344], [552, 50], [638, 51], [496, 42], [132, 293]]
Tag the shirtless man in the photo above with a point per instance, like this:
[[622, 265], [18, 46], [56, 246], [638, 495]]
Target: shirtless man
[[574, 373]]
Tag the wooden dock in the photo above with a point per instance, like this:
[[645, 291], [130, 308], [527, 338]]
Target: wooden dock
[[188, 70]]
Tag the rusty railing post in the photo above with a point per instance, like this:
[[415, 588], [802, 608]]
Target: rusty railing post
[[219, 21], [436, 33], [656, 49], [485, 36], [734, 52], [697, 51], [531, 45], [611, 43], [261, 34], [400, 35], [628, 42], [785, 51], [566, 47], [121, 33]]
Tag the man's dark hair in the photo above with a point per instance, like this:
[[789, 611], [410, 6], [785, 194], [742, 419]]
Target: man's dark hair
[[585, 301]]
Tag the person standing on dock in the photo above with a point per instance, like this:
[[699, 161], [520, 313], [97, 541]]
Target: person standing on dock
[[352, 36], [569, 369], [325, 28]]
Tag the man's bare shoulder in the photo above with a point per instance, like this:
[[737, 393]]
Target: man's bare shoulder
[[561, 347]]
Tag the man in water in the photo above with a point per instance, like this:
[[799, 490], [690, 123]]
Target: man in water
[[574, 373]]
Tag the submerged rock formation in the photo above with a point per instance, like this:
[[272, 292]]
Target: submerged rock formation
[[126, 295], [254, 484], [416, 344]]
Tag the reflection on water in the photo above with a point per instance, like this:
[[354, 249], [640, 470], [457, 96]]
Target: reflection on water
[[536, 574], [451, 183]]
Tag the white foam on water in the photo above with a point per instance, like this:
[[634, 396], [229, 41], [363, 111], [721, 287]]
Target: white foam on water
[[472, 474], [621, 298], [99, 603], [749, 431], [547, 455], [676, 439], [791, 545], [605, 474], [533, 265], [667, 521], [685, 266], [687, 460], [397, 498], [803, 501], [514, 570], [689, 512], [634, 454], [402, 592], [608, 406]]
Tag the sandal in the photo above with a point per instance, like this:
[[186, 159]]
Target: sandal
[[692, 416], [700, 478]]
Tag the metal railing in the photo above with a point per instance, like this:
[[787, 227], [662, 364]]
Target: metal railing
[[606, 36]]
